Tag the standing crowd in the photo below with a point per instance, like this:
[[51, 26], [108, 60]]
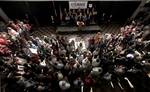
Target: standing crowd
[[71, 16], [88, 16], [53, 64]]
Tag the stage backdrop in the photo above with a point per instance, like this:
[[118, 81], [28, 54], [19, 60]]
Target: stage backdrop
[[77, 5]]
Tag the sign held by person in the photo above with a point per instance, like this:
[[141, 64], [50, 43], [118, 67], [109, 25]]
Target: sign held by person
[[77, 5]]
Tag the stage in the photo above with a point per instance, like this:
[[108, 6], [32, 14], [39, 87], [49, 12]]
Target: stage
[[74, 29]]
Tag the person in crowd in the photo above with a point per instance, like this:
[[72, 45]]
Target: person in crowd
[[64, 84], [94, 15], [110, 18], [67, 19], [103, 18], [97, 38], [52, 21], [84, 18]]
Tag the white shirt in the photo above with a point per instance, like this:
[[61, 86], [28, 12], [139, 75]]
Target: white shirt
[[43, 63], [94, 62], [96, 70], [85, 63], [59, 75], [59, 66], [130, 56], [64, 85], [13, 33]]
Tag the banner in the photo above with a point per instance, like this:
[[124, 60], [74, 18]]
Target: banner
[[77, 5]]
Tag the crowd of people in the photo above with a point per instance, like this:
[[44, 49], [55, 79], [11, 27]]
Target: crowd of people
[[53, 64], [72, 16], [84, 17]]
